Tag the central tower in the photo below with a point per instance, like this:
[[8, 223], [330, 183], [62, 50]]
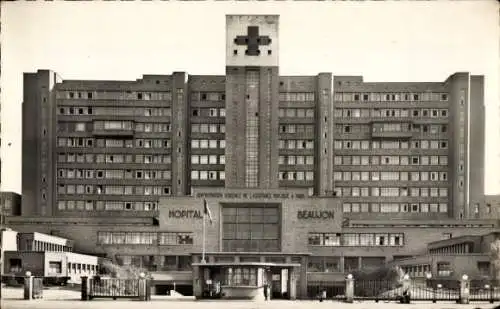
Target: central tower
[[252, 82]]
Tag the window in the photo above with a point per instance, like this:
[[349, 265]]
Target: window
[[443, 269], [251, 229], [55, 267]]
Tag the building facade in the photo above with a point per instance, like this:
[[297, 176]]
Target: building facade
[[369, 168]]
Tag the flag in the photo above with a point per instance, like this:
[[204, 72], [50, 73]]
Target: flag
[[206, 211]]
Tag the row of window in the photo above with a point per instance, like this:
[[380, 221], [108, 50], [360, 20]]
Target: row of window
[[113, 143], [390, 176], [395, 207], [297, 112], [393, 96], [208, 128], [296, 175], [116, 111], [208, 96], [80, 205], [391, 160], [208, 175], [67, 127], [390, 112], [296, 160], [103, 158], [113, 190], [417, 270], [208, 112], [114, 95], [205, 143], [113, 174], [297, 96], [156, 263], [356, 239], [298, 128], [296, 144], [283, 96], [391, 191], [208, 159], [77, 268], [391, 127], [144, 238], [395, 144]]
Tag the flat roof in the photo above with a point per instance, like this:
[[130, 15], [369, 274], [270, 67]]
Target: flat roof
[[248, 264]]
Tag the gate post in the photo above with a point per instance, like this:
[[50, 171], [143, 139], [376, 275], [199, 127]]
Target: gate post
[[464, 289], [28, 286], [406, 297], [349, 289], [85, 288], [142, 287]]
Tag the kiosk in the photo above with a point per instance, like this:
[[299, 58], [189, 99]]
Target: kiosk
[[245, 280]]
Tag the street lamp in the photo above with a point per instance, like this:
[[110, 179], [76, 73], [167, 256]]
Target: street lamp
[[465, 277], [428, 276], [349, 276]]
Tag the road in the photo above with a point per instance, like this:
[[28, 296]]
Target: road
[[59, 299]]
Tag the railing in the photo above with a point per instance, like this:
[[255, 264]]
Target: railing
[[435, 290], [334, 290], [484, 290], [376, 290]]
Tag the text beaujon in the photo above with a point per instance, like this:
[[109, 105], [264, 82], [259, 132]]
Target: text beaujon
[[185, 214], [315, 214]]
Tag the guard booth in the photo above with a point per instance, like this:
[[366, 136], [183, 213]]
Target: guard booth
[[245, 280]]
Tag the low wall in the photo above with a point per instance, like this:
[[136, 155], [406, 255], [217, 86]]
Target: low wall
[[242, 292]]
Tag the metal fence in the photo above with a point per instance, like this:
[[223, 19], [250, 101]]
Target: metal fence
[[334, 290], [376, 290], [391, 290], [484, 290], [113, 288], [435, 290]]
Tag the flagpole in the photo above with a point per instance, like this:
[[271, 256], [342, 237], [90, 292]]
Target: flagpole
[[203, 240]]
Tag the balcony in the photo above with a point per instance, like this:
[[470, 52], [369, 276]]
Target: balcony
[[123, 128], [391, 130]]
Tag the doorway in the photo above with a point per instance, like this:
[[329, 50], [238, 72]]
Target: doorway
[[279, 283]]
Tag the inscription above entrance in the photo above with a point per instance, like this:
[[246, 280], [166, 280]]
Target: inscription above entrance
[[196, 214], [252, 40], [315, 214]]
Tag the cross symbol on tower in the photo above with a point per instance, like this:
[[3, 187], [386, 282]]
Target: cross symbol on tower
[[252, 40]]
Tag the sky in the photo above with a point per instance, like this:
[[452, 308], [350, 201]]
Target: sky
[[381, 40]]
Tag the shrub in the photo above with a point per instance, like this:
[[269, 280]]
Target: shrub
[[372, 282]]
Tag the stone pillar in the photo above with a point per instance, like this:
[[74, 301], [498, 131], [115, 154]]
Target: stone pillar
[[85, 288], [349, 289], [197, 282], [292, 283], [406, 288], [142, 288], [464, 289], [28, 286]]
